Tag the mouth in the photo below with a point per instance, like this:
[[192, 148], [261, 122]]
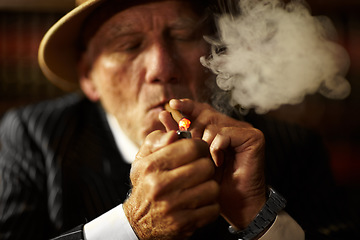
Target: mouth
[[158, 107]]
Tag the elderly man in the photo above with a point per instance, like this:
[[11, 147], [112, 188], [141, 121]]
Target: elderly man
[[112, 163]]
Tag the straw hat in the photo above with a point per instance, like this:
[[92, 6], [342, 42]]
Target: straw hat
[[58, 53], [59, 49]]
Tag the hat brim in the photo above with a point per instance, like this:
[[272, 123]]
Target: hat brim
[[58, 54]]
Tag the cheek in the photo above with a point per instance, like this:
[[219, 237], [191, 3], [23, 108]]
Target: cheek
[[113, 85]]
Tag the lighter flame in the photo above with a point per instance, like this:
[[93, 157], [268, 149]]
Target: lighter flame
[[184, 124]]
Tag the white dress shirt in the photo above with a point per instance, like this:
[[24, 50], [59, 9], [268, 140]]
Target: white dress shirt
[[113, 225]]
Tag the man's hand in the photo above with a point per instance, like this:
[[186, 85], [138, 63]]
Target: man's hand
[[237, 149], [173, 190]]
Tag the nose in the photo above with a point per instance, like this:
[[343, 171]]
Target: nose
[[161, 64]]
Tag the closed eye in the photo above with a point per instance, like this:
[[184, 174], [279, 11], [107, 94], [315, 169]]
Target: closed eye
[[126, 44], [183, 35], [131, 46]]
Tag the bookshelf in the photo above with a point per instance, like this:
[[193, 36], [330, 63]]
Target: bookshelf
[[21, 80]]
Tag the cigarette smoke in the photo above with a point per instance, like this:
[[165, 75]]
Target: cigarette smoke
[[275, 53]]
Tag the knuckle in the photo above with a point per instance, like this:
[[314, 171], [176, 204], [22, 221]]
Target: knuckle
[[208, 112], [167, 207], [154, 186], [214, 186], [194, 148], [207, 167], [151, 166], [154, 165], [214, 189], [184, 227], [149, 140], [258, 136], [258, 133]]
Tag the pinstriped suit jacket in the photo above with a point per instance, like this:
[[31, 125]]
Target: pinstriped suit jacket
[[60, 167]]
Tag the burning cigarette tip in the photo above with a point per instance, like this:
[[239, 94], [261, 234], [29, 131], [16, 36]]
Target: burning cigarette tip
[[183, 122]]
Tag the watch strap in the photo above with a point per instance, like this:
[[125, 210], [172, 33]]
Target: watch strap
[[274, 204]]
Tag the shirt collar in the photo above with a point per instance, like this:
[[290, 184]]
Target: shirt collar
[[126, 147]]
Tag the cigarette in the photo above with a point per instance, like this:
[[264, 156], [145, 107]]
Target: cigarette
[[176, 115]]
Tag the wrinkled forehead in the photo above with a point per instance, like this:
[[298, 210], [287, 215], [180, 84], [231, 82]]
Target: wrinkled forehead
[[112, 8], [141, 18]]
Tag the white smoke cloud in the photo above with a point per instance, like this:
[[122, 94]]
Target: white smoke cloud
[[276, 54]]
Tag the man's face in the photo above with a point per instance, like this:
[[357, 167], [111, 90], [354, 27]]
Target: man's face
[[144, 56]]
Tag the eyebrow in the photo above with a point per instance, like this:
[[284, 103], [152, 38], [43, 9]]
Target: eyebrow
[[183, 23], [129, 28]]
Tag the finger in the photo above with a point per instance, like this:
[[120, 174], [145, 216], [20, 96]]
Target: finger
[[160, 186], [189, 175], [218, 147], [204, 215], [186, 106], [241, 138], [201, 195], [167, 120], [248, 141], [175, 155], [198, 113], [209, 133], [218, 143], [154, 141]]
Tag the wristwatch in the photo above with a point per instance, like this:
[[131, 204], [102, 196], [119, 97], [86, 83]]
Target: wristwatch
[[274, 204]]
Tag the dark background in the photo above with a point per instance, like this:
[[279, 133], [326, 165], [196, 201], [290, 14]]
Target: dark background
[[23, 23]]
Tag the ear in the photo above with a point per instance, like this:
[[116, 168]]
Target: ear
[[87, 84]]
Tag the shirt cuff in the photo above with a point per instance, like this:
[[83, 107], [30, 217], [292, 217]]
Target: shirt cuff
[[285, 228], [112, 225]]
